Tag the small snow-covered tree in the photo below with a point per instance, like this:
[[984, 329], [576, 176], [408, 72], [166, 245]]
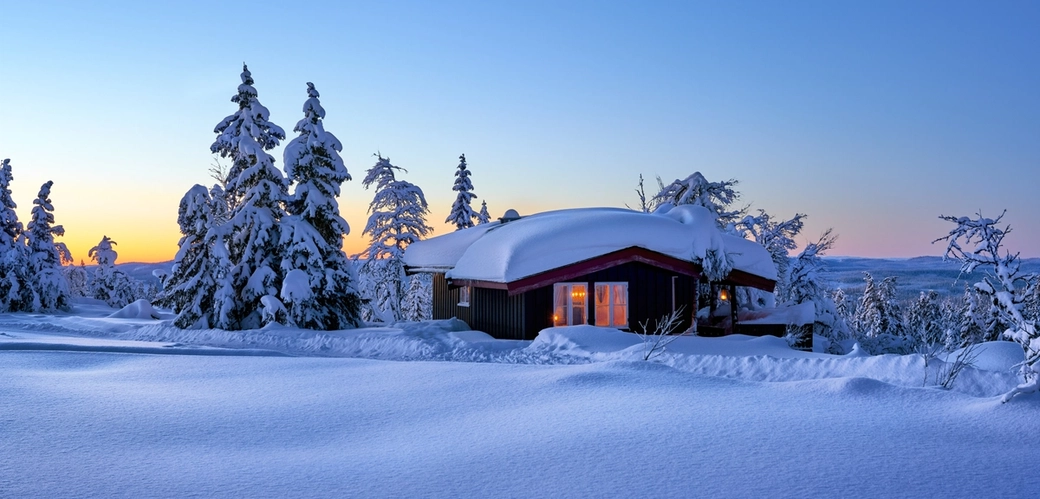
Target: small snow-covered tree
[[110, 284], [322, 291], [1004, 286], [16, 293], [46, 256], [79, 280], [462, 214], [418, 298], [483, 217], [255, 191], [924, 320], [844, 306], [200, 263], [777, 237], [397, 218], [879, 319], [806, 285], [696, 190]]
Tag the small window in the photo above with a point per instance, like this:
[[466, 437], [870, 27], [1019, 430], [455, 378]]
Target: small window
[[464, 296], [569, 308], [612, 304]]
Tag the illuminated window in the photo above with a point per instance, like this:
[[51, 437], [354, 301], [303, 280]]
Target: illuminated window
[[464, 296], [569, 307], [612, 304]]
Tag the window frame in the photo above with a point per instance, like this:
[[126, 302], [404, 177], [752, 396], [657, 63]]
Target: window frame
[[611, 304], [568, 311], [465, 296]]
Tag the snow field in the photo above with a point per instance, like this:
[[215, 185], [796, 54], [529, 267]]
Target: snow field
[[102, 424], [98, 405]]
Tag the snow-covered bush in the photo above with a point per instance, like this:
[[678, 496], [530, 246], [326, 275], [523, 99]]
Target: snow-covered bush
[[256, 192], [323, 291]]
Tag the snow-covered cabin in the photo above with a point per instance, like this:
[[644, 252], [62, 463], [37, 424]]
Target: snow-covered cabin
[[602, 266]]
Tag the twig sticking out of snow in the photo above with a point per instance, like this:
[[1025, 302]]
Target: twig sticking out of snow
[[654, 342]]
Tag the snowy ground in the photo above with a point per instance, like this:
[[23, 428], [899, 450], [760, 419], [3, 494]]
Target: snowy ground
[[100, 406]]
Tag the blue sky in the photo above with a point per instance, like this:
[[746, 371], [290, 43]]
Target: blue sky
[[872, 117]]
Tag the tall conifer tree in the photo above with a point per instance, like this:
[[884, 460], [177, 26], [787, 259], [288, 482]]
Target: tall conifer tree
[[256, 191], [462, 214], [326, 296]]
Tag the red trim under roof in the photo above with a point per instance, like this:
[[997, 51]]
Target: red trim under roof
[[595, 264]]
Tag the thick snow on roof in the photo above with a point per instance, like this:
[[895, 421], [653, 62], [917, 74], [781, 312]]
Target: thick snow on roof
[[506, 252]]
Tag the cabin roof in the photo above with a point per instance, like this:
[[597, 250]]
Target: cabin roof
[[505, 252]]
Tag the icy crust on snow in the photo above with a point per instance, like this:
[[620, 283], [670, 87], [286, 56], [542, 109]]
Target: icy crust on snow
[[757, 359], [506, 252]]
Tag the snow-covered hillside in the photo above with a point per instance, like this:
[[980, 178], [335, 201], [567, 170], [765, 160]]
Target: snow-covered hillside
[[100, 406]]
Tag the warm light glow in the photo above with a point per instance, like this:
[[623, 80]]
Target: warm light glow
[[724, 294]]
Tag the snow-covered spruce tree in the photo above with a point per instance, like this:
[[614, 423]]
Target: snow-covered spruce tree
[[844, 306], [483, 217], [1004, 286], [79, 281], [16, 293], [110, 284], [418, 298], [200, 263], [46, 256], [878, 321], [924, 320], [777, 237], [320, 287], [696, 190], [256, 191], [218, 205], [462, 214], [977, 320], [397, 218], [806, 286]]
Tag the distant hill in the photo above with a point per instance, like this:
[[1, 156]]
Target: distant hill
[[913, 275]]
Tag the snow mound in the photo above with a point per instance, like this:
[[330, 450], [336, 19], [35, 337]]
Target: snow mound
[[998, 356], [583, 341], [140, 309]]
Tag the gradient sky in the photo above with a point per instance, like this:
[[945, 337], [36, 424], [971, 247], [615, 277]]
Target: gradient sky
[[871, 117]]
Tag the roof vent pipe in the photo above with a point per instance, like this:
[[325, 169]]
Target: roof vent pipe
[[509, 216]]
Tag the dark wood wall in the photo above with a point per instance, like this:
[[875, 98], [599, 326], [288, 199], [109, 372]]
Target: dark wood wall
[[446, 302], [522, 316], [649, 296]]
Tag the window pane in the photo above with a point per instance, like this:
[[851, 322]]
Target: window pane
[[560, 305], [602, 305], [620, 302], [577, 304], [621, 315]]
